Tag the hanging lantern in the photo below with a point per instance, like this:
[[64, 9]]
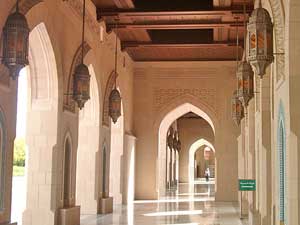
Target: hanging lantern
[[115, 105], [81, 77], [115, 96], [260, 37], [170, 139], [237, 109], [245, 75], [15, 43], [81, 85]]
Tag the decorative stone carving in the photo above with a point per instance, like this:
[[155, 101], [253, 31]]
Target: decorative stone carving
[[278, 20], [69, 103], [164, 96], [108, 89]]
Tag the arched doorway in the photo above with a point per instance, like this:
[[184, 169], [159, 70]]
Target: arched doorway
[[88, 146], [192, 151], [36, 124], [67, 171], [165, 124]]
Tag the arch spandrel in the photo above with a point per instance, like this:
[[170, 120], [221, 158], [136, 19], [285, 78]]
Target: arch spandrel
[[185, 104]]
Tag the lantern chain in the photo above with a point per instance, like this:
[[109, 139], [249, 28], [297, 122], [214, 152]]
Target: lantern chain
[[237, 43], [245, 30], [17, 6], [116, 54], [83, 32]]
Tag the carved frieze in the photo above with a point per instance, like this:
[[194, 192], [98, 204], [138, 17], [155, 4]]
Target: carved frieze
[[163, 97], [279, 20]]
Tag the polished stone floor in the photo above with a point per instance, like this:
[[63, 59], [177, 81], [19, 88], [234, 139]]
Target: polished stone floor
[[189, 205]]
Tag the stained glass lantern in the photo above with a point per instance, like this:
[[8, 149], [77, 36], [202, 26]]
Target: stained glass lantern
[[237, 109], [170, 139], [260, 37], [115, 105], [81, 85], [245, 79], [15, 43]]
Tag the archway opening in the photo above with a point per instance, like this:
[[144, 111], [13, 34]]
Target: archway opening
[[88, 146], [190, 123], [36, 129], [201, 159]]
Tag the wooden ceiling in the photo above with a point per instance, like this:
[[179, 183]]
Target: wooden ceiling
[[176, 30]]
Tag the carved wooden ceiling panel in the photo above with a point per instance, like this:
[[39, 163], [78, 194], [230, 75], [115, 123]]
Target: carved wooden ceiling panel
[[176, 30]]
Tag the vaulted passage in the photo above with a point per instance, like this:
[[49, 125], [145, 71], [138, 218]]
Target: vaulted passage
[[140, 112]]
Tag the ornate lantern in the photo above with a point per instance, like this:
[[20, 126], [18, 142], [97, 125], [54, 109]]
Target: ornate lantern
[[245, 75], [170, 139], [115, 105], [245, 81], [260, 36], [237, 109], [81, 77], [81, 85], [15, 43], [115, 96]]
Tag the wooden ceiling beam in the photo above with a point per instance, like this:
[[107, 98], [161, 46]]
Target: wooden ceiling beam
[[172, 26], [129, 45], [141, 14]]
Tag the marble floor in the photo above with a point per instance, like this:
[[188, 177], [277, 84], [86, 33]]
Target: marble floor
[[189, 205]]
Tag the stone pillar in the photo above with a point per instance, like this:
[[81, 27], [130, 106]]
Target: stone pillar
[[243, 197], [265, 161], [129, 169], [253, 214]]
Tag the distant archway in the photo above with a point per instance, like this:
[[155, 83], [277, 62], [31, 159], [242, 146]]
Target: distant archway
[[194, 147], [166, 122]]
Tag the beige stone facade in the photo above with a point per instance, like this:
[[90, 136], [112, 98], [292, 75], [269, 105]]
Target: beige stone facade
[[66, 146]]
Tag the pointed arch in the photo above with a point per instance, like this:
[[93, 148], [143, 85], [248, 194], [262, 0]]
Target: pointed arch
[[194, 147], [171, 112], [69, 103]]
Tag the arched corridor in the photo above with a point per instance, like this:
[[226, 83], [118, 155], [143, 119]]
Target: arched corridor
[[145, 112]]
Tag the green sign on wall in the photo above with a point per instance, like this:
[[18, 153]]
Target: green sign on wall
[[247, 185]]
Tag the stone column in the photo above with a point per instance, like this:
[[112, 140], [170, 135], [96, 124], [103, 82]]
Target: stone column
[[265, 164], [252, 161], [242, 168]]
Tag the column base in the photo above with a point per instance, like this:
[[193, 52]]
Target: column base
[[69, 216], [105, 205], [254, 217]]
